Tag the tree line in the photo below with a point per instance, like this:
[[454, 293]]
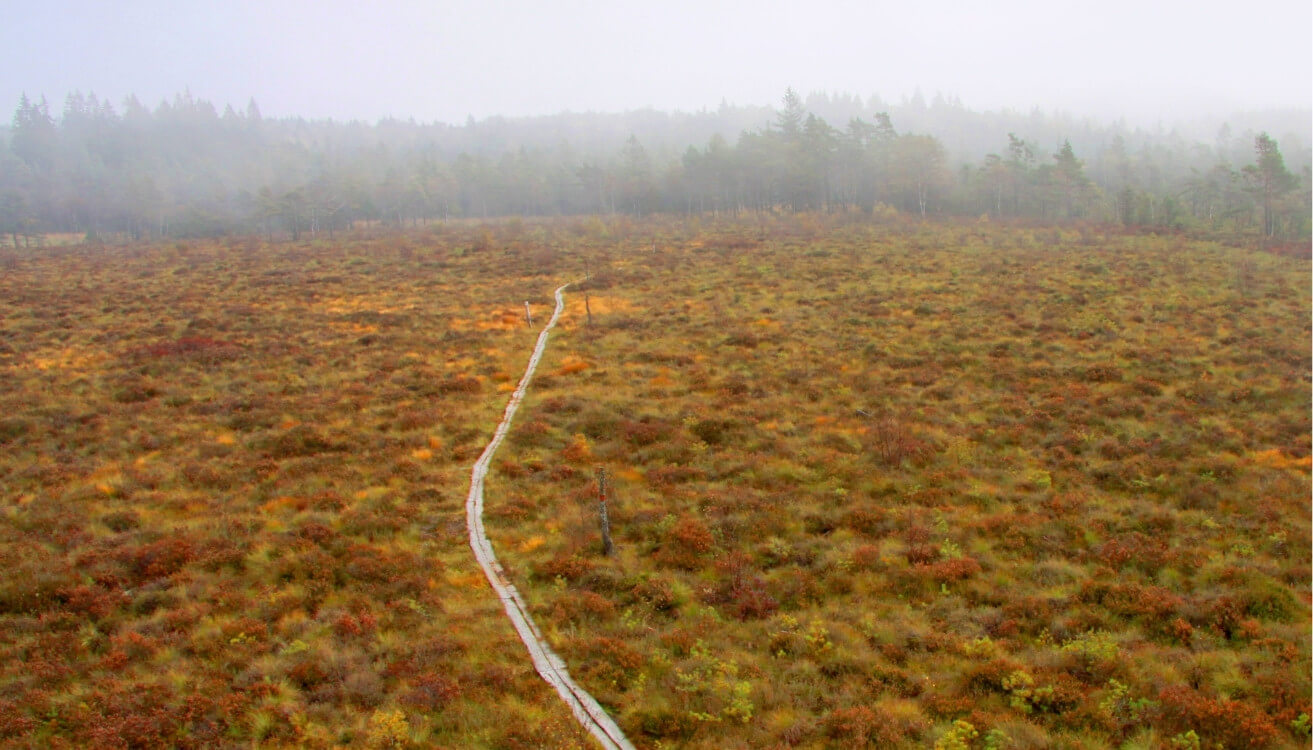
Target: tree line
[[185, 169]]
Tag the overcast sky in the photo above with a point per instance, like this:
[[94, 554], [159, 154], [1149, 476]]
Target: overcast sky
[[1141, 59]]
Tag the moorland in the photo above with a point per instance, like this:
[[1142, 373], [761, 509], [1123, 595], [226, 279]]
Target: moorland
[[874, 481]]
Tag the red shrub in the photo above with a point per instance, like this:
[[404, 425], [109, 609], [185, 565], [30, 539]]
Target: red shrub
[[922, 554], [431, 693], [645, 432], [916, 534], [680, 642], [858, 725], [945, 571], [867, 557], [91, 601], [864, 520], [130, 716], [350, 625], [569, 567], [861, 726], [749, 599], [162, 558], [1132, 600], [1224, 615], [616, 652], [891, 442], [198, 348], [686, 544], [1137, 550], [1229, 723], [135, 645], [657, 593], [669, 476], [1030, 612], [459, 384], [308, 673], [579, 606], [14, 721], [114, 661], [1180, 631], [988, 678]]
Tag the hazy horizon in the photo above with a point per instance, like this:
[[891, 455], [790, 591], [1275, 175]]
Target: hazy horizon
[[1170, 62]]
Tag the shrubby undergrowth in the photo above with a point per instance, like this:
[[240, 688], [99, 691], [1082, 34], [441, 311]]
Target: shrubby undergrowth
[[903, 484], [874, 482]]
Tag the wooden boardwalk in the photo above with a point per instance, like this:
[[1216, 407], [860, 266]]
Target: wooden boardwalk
[[584, 706]]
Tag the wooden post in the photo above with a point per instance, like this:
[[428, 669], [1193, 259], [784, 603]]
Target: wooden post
[[528, 316], [607, 546], [588, 309]]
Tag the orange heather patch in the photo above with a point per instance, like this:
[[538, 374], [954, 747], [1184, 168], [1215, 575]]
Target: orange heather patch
[[354, 327], [572, 364], [1274, 458], [284, 502], [577, 450], [599, 305], [501, 319], [466, 580]]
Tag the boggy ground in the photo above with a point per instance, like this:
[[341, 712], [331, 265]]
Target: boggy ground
[[870, 479], [901, 485], [232, 505]]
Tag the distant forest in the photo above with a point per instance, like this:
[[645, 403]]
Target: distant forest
[[185, 169]]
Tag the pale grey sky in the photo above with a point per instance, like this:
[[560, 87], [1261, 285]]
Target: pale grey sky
[[1145, 60]]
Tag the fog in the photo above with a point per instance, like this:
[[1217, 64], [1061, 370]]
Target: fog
[[1123, 59]]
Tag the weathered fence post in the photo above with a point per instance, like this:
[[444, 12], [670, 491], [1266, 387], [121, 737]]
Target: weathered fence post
[[607, 546], [528, 316], [588, 309]]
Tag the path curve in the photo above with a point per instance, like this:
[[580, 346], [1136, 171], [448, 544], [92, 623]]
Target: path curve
[[552, 668]]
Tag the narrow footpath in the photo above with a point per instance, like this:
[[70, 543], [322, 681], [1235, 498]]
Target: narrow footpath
[[584, 706]]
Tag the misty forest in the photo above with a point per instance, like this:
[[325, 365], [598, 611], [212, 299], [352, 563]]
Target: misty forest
[[186, 170], [838, 423]]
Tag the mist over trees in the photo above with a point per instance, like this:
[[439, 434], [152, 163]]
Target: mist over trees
[[186, 169]]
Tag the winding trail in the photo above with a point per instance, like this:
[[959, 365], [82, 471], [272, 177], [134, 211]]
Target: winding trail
[[584, 706]]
